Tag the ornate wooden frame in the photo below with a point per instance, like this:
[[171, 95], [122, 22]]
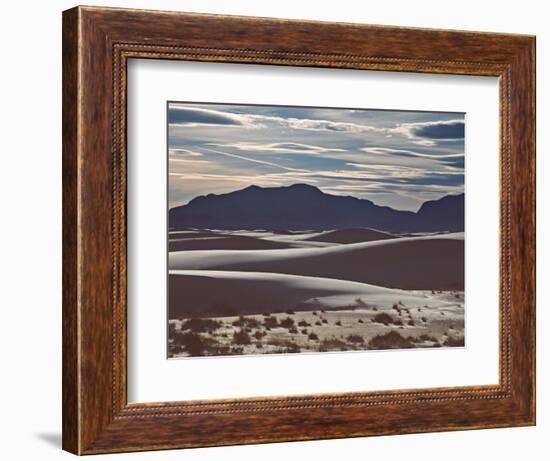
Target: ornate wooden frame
[[97, 43]]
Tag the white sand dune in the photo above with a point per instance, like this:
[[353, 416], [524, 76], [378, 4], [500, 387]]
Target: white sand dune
[[230, 242], [218, 293], [434, 262], [239, 240], [354, 235]]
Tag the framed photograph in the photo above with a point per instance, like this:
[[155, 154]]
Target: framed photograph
[[281, 230]]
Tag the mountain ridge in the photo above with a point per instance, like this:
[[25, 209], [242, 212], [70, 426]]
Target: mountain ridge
[[305, 207]]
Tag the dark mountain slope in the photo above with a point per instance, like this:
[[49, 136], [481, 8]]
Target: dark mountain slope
[[304, 207]]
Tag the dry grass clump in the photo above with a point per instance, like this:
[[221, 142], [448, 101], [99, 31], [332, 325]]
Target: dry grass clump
[[384, 318], [391, 340], [426, 337], [241, 337], [271, 322], [358, 339], [312, 336], [287, 323], [457, 341], [259, 334], [248, 322], [332, 344], [191, 343], [284, 345]]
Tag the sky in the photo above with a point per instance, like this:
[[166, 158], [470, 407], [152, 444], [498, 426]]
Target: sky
[[394, 158]]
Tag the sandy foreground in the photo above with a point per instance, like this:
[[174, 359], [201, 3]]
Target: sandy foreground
[[363, 328], [350, 289]]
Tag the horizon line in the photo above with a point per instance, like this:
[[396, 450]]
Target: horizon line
[[320, 190]]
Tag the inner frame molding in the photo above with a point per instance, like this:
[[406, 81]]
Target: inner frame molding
[[104, 421]]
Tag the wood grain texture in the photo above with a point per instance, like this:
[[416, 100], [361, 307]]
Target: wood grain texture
[[97, 43], [70, 383]]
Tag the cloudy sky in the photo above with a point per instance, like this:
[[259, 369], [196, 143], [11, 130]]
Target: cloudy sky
[[394, 158]]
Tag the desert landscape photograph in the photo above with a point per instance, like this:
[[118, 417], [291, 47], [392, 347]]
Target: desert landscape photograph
[[313, 230]]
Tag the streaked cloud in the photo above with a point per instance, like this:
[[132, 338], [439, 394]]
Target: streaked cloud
[[280, 147], [428, 133], [394, 158]]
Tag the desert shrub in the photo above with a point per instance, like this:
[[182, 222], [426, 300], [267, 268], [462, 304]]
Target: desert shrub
[[315, 313], [355, 339], [332, 344], [398, 322], [259, 345], [259, 334], [293, 330], [192, 343], [241, 337], [324, 320], [318, 323], [303, 323], [313, 336], [375, 309], [249, 322], [384, 318], [425, 337], [323, 311], [285, 344], [271, 322], [360, 321], [395, 307], [171, 329], [304, 331], [411, 323], [424, 319], [292, 348], [457, 341], [198, 325], [338, 323], [287, 323], [360, 302], [290, 312], [391, 340]]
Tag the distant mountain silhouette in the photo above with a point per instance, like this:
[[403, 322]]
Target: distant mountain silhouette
[[305, 207]]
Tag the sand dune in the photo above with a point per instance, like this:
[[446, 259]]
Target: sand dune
[[219, 293], [235, 242], [433, 262], [351, 236]]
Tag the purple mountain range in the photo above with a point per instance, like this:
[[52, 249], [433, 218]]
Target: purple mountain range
[[305, 207]]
